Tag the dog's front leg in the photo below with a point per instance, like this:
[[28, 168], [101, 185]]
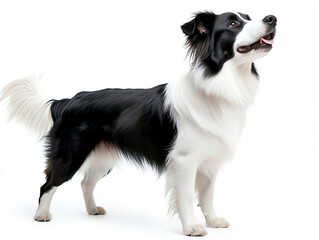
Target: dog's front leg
[[205, 185], [181, 187]]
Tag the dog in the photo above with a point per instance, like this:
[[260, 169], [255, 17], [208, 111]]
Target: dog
[[186, 129]]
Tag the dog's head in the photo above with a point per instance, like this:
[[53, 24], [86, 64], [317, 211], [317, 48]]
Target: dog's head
[[214, 39]]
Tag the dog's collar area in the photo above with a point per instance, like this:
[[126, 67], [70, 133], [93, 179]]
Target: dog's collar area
[[265, 42]]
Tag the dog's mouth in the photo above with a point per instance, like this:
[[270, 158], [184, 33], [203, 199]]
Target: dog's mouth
[[265, 42]]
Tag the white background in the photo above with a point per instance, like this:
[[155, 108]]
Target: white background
[[268, 191]]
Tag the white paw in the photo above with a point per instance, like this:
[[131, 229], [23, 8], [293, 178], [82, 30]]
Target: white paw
[[197, 230], [97, 211], [43, 216], [217, 223]]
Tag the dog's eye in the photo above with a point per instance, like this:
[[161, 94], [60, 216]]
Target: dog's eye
[[233, 23]]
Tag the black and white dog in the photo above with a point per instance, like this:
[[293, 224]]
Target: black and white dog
[[186, 129]]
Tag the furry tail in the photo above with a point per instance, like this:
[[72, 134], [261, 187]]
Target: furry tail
[[26, 106]]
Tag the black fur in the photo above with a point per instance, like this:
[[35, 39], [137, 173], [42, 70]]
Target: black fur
[[214, 46], [245, 16], [132, 120]]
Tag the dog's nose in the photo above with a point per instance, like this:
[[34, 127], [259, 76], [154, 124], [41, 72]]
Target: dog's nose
[[271, 20]]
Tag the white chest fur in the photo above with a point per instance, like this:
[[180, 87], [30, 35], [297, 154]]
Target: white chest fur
[[210, 113]]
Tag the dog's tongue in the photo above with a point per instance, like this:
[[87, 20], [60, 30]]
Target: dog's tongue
[[270, 42]]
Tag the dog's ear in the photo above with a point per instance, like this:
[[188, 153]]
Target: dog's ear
[[194, 27], [198, 34], [200, 24]]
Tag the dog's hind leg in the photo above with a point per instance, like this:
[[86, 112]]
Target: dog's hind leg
[[100, 162], [47, 191], [43, 212], [67, 150], [56, 175]]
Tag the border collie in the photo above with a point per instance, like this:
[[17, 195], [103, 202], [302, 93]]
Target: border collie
[[186, 129]]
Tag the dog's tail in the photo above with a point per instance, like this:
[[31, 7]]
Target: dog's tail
[[26, 106]]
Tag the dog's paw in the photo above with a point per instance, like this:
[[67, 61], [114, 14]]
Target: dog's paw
[[197, 230], [97, 211], [43, 216], [217, 223]]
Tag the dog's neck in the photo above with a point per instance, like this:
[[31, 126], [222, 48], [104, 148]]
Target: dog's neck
[[236, 83]]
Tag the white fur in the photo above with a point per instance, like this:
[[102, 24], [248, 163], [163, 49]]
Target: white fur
[[101, 160], [251, 33], [210, 114], [27, 106], [43, 212], [97, 165]]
